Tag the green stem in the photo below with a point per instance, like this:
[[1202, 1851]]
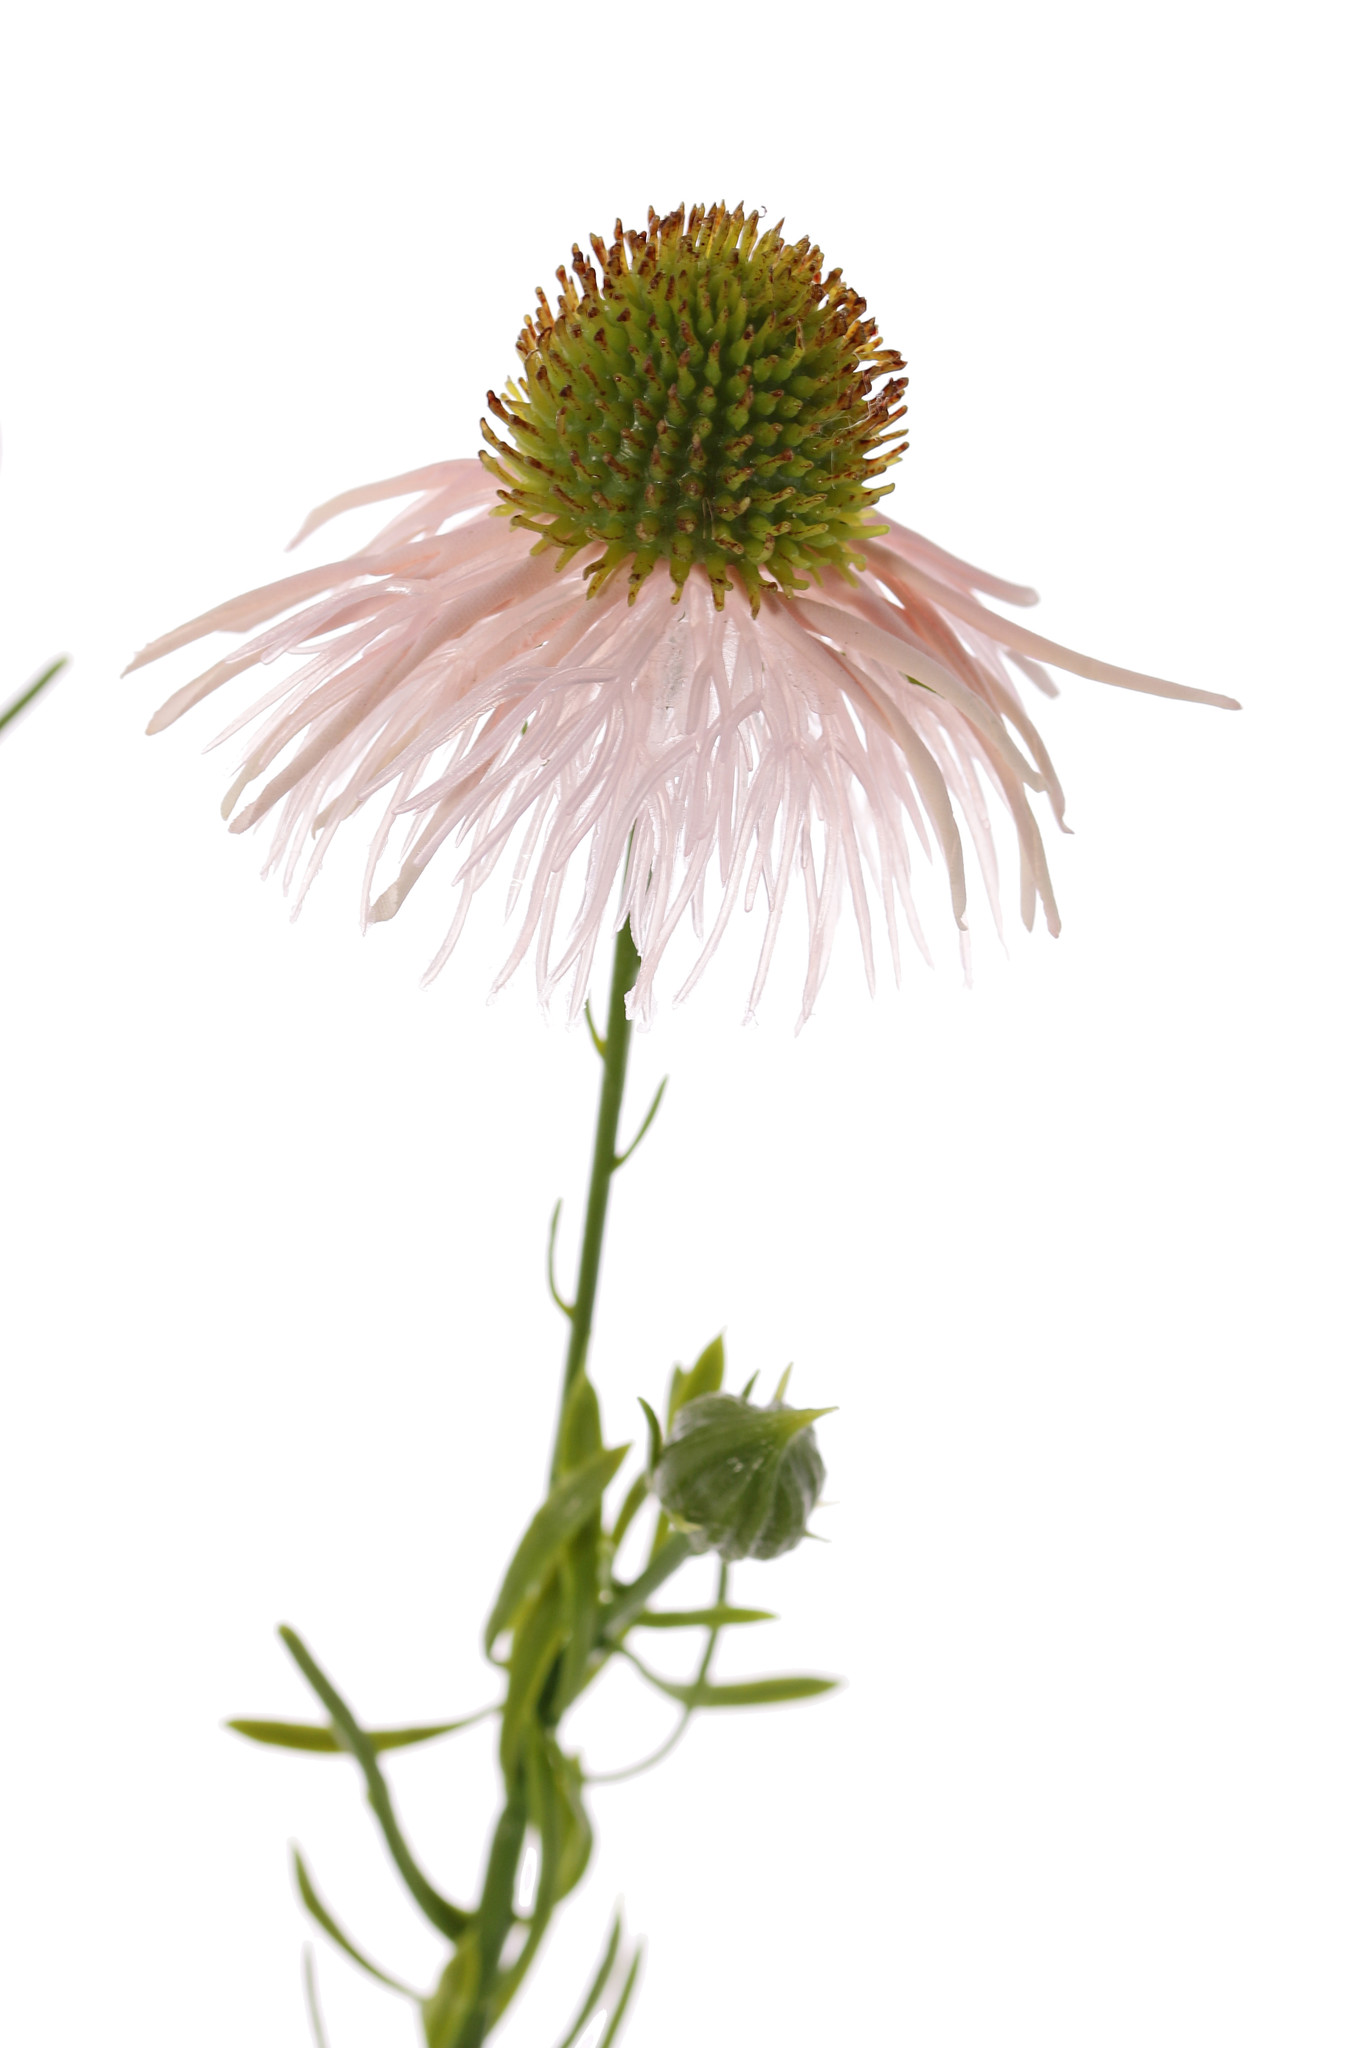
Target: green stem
[[495, 1909], [26, 697], [614, 1059], [494, 1915], [632, 1599]]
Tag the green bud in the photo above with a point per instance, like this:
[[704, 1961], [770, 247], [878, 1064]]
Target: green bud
[[740, 1479]]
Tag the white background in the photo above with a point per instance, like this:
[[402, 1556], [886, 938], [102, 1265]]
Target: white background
[[1065, 1248]]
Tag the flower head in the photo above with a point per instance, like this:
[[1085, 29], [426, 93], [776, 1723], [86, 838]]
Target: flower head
[[811, 695]]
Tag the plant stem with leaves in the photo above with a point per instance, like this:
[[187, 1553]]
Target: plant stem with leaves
[[562, 1613]]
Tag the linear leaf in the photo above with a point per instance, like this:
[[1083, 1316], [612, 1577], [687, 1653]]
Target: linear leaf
[[312, 2000], [320, 1914], [446, 2011], [449, 1919], [750, 1692], [579, 1579], [580, 1425], [618, 2015], [570, 1502], [320, 1739], [700, 1617], [595, 1989], [537, 1643], [543, 1813]]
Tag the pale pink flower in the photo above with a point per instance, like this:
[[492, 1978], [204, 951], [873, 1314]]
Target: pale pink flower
[[489, 703]]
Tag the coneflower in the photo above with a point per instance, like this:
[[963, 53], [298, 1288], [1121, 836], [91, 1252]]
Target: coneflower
[[806, 698], [824, 694]]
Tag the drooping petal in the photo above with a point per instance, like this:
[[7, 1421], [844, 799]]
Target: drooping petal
[[674, 762]]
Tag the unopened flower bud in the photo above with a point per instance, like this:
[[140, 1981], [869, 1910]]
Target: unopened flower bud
[[740, 1479]]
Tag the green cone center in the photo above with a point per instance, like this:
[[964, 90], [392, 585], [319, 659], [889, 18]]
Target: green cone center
[[701, 394]]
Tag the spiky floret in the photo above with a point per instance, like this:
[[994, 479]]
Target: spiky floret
[[702, 394]]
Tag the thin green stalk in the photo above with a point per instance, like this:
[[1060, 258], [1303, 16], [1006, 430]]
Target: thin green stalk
[[665, 1749], [26, 697], [493, 1917], [614, 1050], [632, 1599]]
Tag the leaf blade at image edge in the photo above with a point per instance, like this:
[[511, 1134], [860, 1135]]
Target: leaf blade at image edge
[[320, 1914], [320, 1739]]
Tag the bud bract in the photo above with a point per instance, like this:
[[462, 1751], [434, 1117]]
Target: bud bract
[[740, 1479]]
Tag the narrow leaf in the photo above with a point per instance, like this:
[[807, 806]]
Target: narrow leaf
[[700, 1617], [321, 1915], [446, 2011], [450, 1920], [580, 1425], [618, 2015], [575, 1849], [544, 1815], [751, 1692], [321, 1740], [597, 1986], [570, 1502], [537, 1643], [642, 1131], [312, 2000]]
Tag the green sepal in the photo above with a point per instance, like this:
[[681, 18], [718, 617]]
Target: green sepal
[[321, 1740], [322, 1917], [445, 2013], [704, 1377], [570, 1502], [700, 1617]]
